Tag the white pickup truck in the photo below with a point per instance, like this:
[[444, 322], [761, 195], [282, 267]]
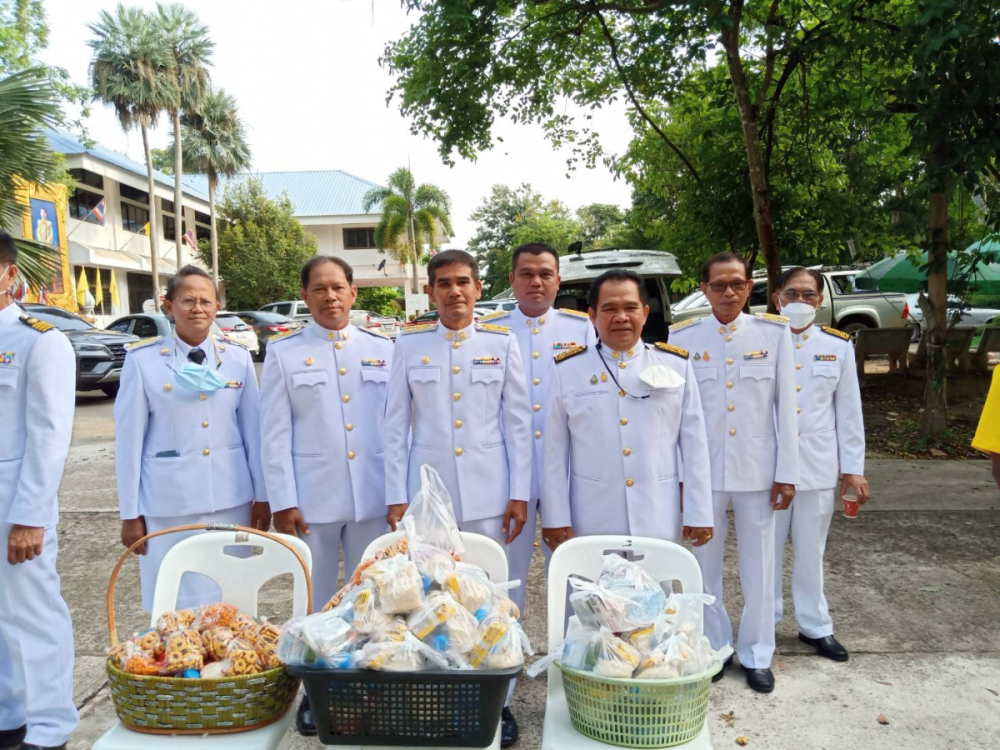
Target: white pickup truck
[[844, 307]]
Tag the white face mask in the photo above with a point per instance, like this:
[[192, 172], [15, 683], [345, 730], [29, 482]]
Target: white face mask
[[799, 314]]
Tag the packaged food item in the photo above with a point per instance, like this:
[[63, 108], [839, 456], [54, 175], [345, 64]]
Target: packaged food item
[[470, 585], [367, 617], [502, 643], [327, 633], [183, 651], [462, 630], [268, 653], [180, 619], [217, 614], [406, 655], [245, 627], [432, 562], [683, 612], [292, 647], [399, 547], [214, 670], [426, 618], [631, 581], [396, 631], [432, 514], [216, 640], [242, 658], [151, 641], [598, 607], [268, 634], [615, 657], [398, 583]]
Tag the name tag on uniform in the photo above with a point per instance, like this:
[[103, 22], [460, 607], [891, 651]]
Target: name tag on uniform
[[492, 361], [373, 363], [6, 357], [755, 355], [824, 357], [237, 384], [557, 345]]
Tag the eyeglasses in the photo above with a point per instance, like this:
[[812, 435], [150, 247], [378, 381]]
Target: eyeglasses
[[720, 286], [792, 295], [187, 304]]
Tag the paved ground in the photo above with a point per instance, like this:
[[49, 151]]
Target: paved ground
[[914, 585]]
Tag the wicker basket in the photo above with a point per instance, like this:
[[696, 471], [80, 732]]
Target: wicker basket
[[173, 705], [638, 713]]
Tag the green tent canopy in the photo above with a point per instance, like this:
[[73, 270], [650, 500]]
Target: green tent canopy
[[899, 274]]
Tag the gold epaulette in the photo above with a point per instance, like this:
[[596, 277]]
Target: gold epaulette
[[420, 328], [563, 356], [285, 335], [835, 332], [143, 342], [577, 313], [676, 350], [494, 315], [772, 318], [35, 323], [492, 328], [684, 324], [374, 333]]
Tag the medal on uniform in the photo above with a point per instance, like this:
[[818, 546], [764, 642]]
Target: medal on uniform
[[593, 380], [6, 357], [707, 357], [489, 361], [824, 357], [697, 357], [604, 377], [755, 355]]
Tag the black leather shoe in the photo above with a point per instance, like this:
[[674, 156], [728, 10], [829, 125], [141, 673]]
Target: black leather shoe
[[827, 646], [304, 719], [760, 680], [29, 746], [12, 737], [508, 728], [722, 672]]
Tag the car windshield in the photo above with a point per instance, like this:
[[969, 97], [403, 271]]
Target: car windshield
[[228, 321], [61, 319], [269, 317]]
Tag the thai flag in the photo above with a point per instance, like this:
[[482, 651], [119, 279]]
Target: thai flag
[[101, 210], [190, 239]]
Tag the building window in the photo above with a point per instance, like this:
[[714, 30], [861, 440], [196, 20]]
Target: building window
[[169, 228], [140, 289], [82, 204], [166, 205], [84, 177], [204, 234], [359, 239], [139, 196], [202, 218], [134, 218]]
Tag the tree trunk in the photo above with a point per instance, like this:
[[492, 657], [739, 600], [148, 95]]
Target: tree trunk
[[212, 179], [411, 235], [755, 156], [178, 189], [935, 309], [154, 235]]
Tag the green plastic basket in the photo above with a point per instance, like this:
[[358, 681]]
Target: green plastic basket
[[638, 713]]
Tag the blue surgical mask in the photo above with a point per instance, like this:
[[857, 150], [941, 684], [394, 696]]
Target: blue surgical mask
[[194, 377]]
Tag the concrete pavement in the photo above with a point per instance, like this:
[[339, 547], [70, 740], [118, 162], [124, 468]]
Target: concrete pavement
[[913, 584]]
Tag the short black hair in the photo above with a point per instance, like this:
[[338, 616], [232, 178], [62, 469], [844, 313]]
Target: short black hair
[[452, 257], [318, 260], [706, 267], [615, 274], [533, 248], [188, 270], [8, 249], [787, 275]]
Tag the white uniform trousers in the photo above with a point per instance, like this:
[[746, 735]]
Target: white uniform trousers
[[809, 520], [195, 589], [325, 540], [755, 545], [36, 648]]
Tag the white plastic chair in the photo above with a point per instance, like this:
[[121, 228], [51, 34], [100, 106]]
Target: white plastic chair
[[240, 580], [480, 550], [583, 556]]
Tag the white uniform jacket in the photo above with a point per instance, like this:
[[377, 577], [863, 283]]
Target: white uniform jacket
[[540, 339], [831, 425], [465, 394], [322, 405], [180, 452], [37, 392], [746, 374], [606, 452]]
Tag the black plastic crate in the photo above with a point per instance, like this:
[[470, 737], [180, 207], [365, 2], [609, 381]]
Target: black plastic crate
[[418, 709]]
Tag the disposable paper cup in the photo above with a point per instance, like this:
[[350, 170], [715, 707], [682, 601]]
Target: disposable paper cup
[[850, 504]]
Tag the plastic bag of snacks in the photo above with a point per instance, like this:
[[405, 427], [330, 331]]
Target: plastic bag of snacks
[[683, 612], [502, 643], [597, 651], [432, 562], [367, 616], [132, 658], [470, 585], [406, 655], [182, 652], [213, 615], [599, 608], [242, 658], [151, 641], [615, 658], [434, 611], [180, 619], [216, 640], [245, 626], [461, 629], [432, 513], [633, 582], [328, 634], [400, 589]]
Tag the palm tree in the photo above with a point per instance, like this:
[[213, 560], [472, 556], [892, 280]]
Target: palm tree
[[132, 70], [408, 210], [214, 144], [27, 106], [187, 38]]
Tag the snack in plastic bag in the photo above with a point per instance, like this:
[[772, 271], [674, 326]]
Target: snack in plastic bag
[[433, 514], [151, 641], [217, 614], [425, 619], [328, 634], [470, 585], [502, 643], [216, 640], [214, 670], [397, 580], [615, 658], [292, 648], [630, 580], [683, 613], [367, 617], [599, 608], [407, 655], [183, 652], [268, 634], [431, 561], [396, 631], [242, 658], [245, 627], [268, 653], [180, 619], [462, 630]]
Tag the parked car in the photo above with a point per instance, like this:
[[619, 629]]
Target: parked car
[[960, 314], [150, 325], [843, 307], [362, 318], [266, 325], [431, 316], [386, 324], [295, 309], [497, 304], [234, 329], [100, 354]]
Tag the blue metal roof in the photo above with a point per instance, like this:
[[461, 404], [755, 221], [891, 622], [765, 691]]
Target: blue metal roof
[[64, 142], [327, 192]]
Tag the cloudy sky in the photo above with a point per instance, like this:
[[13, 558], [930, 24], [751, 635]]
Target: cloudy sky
[[311, 91]]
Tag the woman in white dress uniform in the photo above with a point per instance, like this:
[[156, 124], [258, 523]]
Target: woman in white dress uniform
[[187, 435]]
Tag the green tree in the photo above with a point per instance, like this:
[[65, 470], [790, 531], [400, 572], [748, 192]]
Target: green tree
[[132, 70], [497, 217], [409, 211], [215, 145], [599, 222], [190, 47], [261, 246], [163, 160], [383, 300]]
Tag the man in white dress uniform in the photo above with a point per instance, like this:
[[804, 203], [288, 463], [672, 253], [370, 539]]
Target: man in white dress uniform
[[831, 444], [746, 374], [37, 391]]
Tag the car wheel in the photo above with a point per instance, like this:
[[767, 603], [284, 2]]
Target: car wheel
[[110, 390], [853, 327], [916, 332]]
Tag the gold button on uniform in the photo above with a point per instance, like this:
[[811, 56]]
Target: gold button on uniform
[[350, 456], [535, 331], [538, 434], [343, 370], [455, 345], [798, 410], [425, 360], [732, 328], [722, 329], [729, 361], [164, 350], [798, 367], [456, 369], [338, 346], [621, 365], [458, 424], [732, 432], [535, 355], [205, 423], [798, 388], [623, 421], [537, 407], [536, 381], [798, 346], [732, 407], [629, 482], [729, 384], [202, 397], [346, 398], [167, 388], [205, 452], [728, 337], [627, 452], [456, 396], [309, 360], [459, 451], [348, 427]]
